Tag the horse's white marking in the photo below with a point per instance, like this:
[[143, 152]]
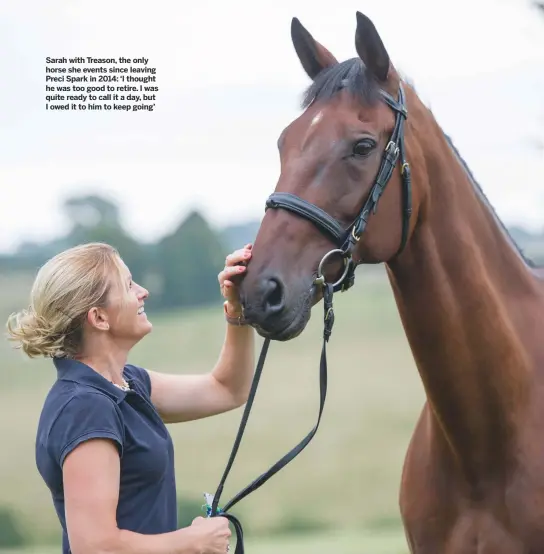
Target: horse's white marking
[[316, 119]]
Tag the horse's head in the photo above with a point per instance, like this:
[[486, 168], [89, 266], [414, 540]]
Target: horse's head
[[337, 158]]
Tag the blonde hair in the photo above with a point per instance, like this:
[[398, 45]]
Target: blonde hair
[[66, 287]]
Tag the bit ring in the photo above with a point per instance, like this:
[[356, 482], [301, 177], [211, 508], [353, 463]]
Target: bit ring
[[320, 279]]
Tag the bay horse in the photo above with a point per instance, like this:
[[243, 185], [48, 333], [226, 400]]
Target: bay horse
[[368, 176]]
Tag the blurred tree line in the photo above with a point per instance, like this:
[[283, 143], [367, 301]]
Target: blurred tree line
[[179, 270]]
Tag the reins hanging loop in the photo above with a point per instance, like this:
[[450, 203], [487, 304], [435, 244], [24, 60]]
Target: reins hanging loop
[[212, 502]]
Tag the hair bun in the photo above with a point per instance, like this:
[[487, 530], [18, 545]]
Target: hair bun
[[34, 334]]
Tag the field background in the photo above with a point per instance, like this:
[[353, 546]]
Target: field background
[[340, 494]]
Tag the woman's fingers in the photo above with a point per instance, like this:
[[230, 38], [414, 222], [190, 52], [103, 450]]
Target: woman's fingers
[[240, 255]]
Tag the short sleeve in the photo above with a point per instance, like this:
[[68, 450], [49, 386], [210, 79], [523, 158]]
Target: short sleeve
[[87, 415], [140, 378]]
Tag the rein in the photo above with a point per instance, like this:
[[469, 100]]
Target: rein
[[294, 452], [346, 241]]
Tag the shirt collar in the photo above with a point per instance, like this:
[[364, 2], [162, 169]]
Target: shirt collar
[[78, 372]]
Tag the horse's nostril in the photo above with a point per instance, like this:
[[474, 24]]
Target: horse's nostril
[[275, 295], [273, 298]]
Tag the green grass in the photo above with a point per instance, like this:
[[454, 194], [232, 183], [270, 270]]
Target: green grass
[[341, 542], [347, 478]]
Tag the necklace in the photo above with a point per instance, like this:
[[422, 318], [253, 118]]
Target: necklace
[[124, 387]]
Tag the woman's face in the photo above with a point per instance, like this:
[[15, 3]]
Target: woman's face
[[125, 310]]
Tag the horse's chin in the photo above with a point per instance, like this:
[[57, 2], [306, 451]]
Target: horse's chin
[[288, 332]]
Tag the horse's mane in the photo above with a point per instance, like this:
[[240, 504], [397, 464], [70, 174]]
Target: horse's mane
[[486, 201], [351, 75]]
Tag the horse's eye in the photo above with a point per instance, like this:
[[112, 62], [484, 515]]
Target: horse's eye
[[363, 147]]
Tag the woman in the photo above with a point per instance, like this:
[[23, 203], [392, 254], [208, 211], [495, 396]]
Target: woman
[[102, 446]]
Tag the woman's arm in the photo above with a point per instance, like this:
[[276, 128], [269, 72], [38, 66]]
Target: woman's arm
[[188, 397], [91, 475]]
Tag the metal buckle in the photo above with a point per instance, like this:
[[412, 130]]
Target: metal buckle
[[392, 148], [320, 279]]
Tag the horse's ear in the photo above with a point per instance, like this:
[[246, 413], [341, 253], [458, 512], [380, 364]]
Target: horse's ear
[[313, 56], [370, 48]]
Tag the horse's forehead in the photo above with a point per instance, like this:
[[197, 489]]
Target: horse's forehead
[[318, 118], [330, 119], [343, 108]]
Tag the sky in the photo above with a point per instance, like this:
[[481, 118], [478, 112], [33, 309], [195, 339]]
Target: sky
[[229, 82]]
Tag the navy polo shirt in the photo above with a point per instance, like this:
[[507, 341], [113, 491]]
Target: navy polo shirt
[[82, 405]]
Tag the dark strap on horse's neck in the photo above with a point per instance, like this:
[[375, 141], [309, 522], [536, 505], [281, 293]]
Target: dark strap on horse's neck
[[294, 452]]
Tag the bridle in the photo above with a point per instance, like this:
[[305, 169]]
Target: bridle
[[346, 241]]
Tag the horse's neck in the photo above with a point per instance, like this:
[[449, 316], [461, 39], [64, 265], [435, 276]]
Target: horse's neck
[[462, 290]]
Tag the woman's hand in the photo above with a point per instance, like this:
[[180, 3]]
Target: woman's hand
[[212, 535], [235, 265]]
